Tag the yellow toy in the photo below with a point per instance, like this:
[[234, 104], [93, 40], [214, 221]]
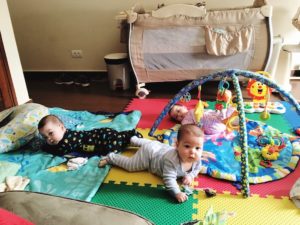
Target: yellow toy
[[271, 148], [232, 122], [257, 90], [260, 93], [199, 109]]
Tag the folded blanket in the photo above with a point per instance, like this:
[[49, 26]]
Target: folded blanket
[[14, 183]]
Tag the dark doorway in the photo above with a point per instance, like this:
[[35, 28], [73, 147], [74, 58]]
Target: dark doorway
[[7, 92]]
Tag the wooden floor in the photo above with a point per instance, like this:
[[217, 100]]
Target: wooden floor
[[99, 97]]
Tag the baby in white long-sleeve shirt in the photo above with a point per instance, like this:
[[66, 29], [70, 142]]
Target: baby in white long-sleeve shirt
[[168, 162]]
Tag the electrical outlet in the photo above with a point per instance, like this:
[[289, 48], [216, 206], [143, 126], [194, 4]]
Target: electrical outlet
[[76, 53]]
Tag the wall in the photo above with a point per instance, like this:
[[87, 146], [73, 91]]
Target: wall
[[47, 31], [12, 54]]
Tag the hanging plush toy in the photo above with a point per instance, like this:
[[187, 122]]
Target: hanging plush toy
[[199, 109], [223, 95]]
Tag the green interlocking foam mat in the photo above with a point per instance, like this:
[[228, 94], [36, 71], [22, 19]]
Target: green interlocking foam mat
[[153, 203]]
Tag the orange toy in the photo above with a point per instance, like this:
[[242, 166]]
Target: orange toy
[[257, 90], [223, 95]]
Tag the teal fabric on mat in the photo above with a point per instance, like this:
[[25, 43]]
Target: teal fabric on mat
[[81, 184], [84, 120], [8, 169], [31, 162]]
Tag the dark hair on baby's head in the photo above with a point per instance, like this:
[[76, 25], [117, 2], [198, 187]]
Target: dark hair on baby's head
[[172, 108], [49, 118], [189, 129]]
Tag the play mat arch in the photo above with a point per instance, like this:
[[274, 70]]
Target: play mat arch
[[243, 142]]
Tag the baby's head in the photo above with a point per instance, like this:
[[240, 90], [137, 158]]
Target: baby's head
[[52, 129], [178, 112], [190, 141]]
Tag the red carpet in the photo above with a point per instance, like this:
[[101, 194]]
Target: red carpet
[[151, 109]]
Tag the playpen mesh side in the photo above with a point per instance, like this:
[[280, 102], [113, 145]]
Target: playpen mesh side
[[181, 48]]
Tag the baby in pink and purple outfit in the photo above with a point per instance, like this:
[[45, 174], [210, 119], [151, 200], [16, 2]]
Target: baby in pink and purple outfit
[[211, 121]]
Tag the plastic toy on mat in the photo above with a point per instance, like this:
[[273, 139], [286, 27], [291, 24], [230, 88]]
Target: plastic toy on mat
[[257, 90], [260, 93], [272, 107], [271, 149], [211, 217]]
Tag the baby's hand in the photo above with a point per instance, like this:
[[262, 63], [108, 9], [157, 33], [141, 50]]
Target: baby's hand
[[187, 180], [208, 156], [181, 197]]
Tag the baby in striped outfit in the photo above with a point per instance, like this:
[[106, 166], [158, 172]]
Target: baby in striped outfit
[[212, 120], [166, 161]]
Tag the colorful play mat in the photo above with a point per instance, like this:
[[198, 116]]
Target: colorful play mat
[[226, 147], [256, 144]]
